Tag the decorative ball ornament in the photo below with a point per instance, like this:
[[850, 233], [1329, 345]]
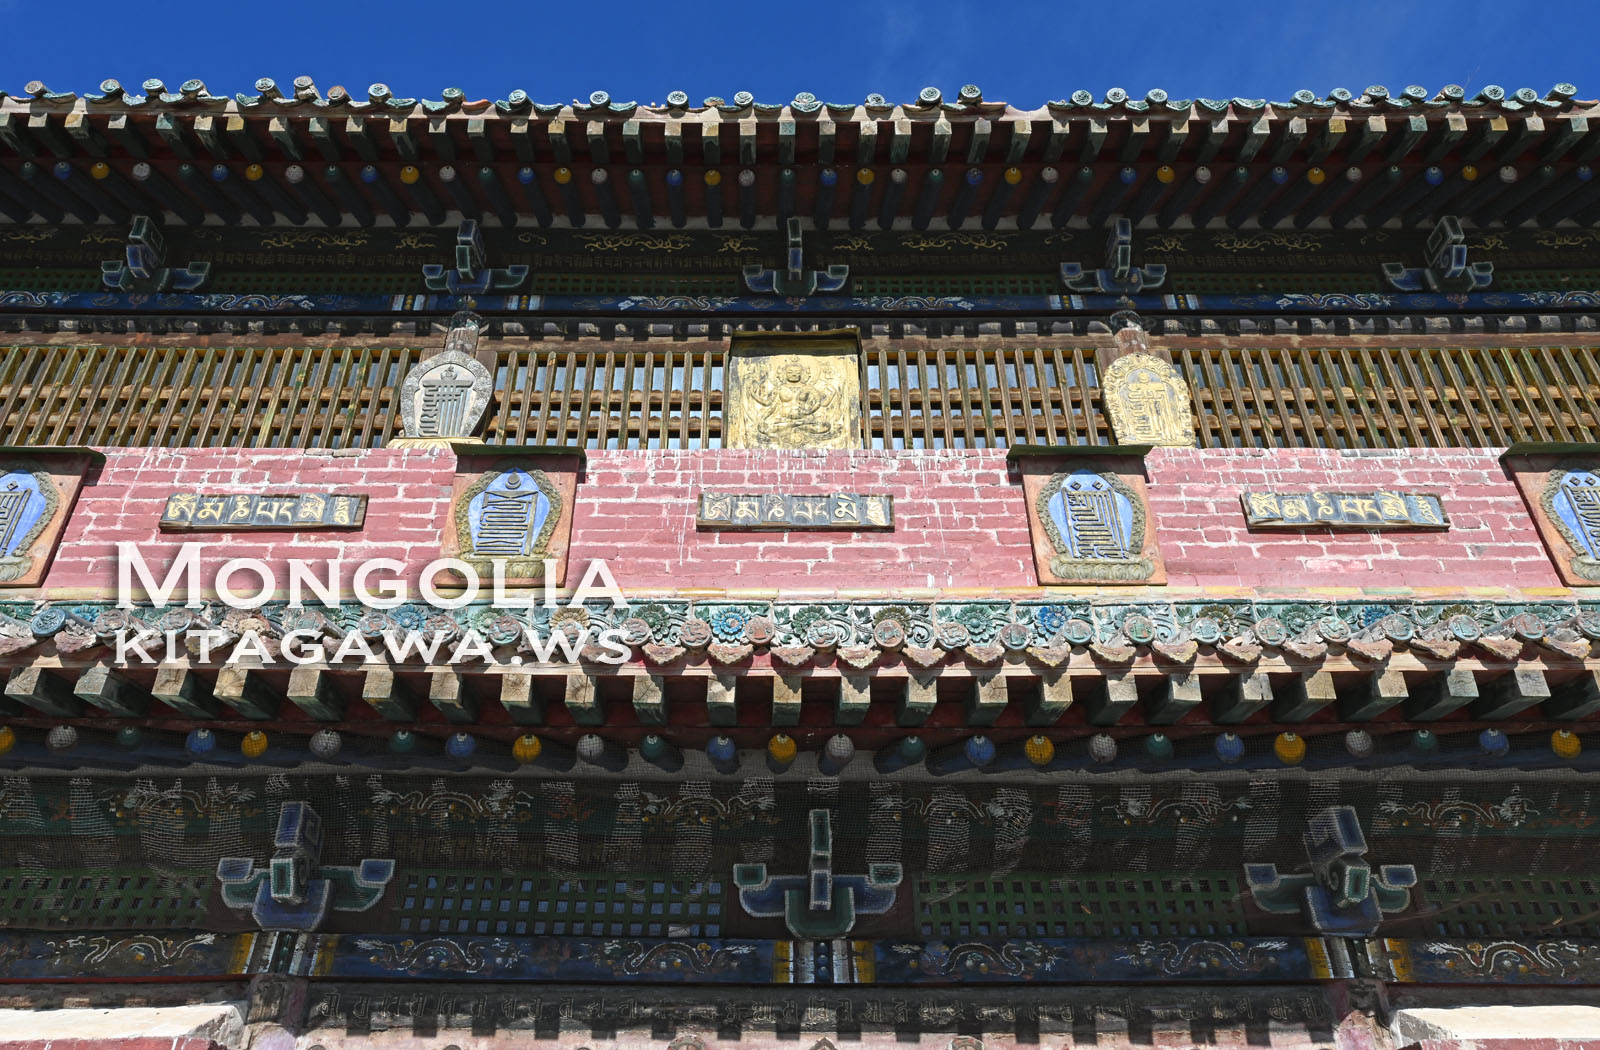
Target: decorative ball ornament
[[1493, 742], [325, 744], [912, 749], [1290, 748], [782, 748], [1423, 742], [1158, 746], [8, 739], [254, 744], [526, 748], [200, 742], [1039, 749], [979, 750], [1359, 743], [721, 750], [1103, 748], [1565, 744], [1230, 748], [129, 737], [404, 742], [591, 748], [61, 738], [460, 745]]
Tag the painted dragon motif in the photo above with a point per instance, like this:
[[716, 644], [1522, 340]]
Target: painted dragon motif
[[441, 954], [692, 809], [499, 800], [1173, 958], [1012, 958], [1512, 811], [145, 949], [147, 799], [1200, 809], [1540, 958], [637, 957]]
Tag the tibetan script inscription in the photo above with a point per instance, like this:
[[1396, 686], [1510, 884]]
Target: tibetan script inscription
[[787, 391], [1344, 510], [305, 510], [842, 510]]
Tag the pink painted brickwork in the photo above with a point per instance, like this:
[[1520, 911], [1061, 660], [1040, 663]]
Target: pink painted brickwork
[[960, 519]]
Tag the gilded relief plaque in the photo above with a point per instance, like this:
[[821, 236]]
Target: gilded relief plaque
[[1148, 402], [793, 390]]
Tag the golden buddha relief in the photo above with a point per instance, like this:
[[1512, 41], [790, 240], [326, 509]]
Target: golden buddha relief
[[1148, 402], [801, 391]]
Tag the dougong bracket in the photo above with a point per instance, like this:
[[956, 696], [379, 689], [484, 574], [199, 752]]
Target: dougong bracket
[[294, 891], [818, 905], [141, 269], [1447, 269], [1120, 276], [471, 273], [1342, 896], [795, 279]]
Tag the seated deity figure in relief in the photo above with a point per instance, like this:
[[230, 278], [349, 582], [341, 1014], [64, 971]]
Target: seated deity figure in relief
[[799, 404]]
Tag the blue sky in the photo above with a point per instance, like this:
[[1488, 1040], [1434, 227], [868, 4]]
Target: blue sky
[[1020, 51]]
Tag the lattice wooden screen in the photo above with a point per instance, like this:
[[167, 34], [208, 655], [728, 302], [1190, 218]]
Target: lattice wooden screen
[[915, 395]]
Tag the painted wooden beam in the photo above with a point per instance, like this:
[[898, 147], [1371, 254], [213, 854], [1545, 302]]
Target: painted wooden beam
[[186, 692], [1511, 694], [786, 689], [1181, 695], [1577, 698], [722, 707], [1047, 704], [1305, 695], [447, 691], [311, 689], [1242, 697], [247, 692], [1114, 694], [650, 699], [916, 704], [44, 692], [987, 698], [1376, 693], [389, 695], [1441, 694], [522, 698], [855, 698], [111, 691]]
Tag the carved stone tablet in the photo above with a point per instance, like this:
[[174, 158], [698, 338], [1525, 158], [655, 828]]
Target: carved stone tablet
[[793, 391]]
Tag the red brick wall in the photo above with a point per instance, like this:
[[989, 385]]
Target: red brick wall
[[961, 522]]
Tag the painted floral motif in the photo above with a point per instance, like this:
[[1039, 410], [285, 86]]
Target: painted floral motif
[[728, 624]]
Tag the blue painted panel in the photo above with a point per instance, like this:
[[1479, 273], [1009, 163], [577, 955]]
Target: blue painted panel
[[1577, 504], [22, 505]]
